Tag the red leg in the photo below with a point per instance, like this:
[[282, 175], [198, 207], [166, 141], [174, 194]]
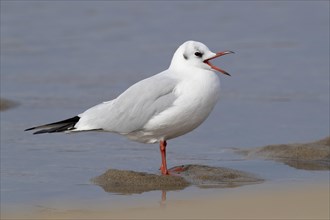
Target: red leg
[[163, 167]]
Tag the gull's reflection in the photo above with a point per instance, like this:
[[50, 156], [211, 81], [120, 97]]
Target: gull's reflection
[[163, 199]]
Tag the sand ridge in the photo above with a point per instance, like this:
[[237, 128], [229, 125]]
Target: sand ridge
[[307, 156], [129, 182]]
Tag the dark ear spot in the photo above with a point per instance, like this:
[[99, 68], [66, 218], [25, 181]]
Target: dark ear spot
[[185, 56]]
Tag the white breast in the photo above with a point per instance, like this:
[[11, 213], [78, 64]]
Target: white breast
[[197, 96]]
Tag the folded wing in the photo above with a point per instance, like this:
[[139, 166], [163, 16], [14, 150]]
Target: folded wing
[[132, 109]]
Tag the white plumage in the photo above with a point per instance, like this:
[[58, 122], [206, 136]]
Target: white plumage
[[159, 108]]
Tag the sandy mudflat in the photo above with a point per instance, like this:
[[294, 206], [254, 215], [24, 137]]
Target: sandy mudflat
[[307, 156], [290, 200], [271, 202], [6, 104], [296, 203], [130, 182]]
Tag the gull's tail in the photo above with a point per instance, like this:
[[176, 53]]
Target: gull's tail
[[60, 126]]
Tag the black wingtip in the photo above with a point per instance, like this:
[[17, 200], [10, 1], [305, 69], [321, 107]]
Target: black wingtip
[[40, 132], [29, 129], [59, 126]]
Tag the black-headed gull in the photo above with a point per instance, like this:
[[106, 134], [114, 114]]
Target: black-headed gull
[[159, 108]]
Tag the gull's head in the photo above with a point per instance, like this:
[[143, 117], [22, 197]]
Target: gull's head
[[198, 55]]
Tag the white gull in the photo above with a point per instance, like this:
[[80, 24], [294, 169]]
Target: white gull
[[161, 107]]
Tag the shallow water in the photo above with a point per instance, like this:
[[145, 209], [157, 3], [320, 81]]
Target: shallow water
[[59, 58]]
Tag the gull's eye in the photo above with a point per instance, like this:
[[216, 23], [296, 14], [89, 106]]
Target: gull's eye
[[198, 54]]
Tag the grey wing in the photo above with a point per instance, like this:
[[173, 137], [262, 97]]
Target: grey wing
[[132, 109]]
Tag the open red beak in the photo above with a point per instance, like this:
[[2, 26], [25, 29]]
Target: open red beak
[[219, 54]]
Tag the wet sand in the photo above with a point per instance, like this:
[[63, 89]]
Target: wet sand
[[271, 202], [307, 156], [130, 182], [301, 203], [6, 104]]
